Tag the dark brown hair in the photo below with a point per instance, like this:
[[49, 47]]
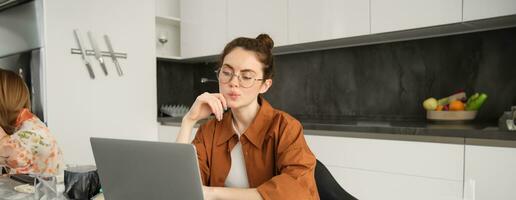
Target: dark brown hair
[[262, 46], [14, 97]]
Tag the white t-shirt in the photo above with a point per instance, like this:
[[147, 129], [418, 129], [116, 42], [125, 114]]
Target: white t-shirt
[[237, 176]]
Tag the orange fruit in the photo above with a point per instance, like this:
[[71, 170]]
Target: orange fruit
[[456, 105], [439, 108]]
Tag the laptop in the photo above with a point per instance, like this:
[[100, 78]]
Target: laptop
[[136, 170]]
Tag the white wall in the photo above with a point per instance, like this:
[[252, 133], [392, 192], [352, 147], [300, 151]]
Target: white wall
[[109, 106]]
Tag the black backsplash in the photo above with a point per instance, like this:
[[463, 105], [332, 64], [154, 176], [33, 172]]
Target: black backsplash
[[376, 82], [180, 83]]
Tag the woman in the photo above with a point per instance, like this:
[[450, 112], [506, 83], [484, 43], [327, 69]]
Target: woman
[[252, 151], [26, 145]]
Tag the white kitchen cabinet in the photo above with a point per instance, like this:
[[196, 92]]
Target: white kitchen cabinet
[[168, 29], [168, 133], [396, 15], [169, 8], [310, 21], [371, 184], [425, 159], [248, 18], [482, 9], [20, 29], [393, 169], [108, 106], [203, 27], [490, 173]]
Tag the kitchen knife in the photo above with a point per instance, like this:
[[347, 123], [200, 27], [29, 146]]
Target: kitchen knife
[[83, 53], [98, 54], [112, 54]]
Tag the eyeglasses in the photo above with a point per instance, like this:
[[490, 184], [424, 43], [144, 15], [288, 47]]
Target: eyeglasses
[[246, 79]]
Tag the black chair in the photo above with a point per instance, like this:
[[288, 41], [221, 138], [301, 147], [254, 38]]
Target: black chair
[[327, 186]]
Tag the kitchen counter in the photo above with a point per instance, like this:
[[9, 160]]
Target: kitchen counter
[[392, 129], [479, 131]]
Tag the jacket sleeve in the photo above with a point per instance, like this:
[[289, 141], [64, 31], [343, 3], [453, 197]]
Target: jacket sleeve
[[202, 155], [296, 165], [18, 157]]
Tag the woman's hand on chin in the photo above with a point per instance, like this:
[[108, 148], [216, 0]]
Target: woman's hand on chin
[[204, 105]]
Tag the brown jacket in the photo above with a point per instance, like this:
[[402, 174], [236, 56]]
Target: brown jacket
[[278, 161]]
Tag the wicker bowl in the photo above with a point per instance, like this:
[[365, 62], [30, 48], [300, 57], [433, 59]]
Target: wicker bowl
[[451, 115]]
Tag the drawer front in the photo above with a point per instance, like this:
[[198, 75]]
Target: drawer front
[[425, 159]]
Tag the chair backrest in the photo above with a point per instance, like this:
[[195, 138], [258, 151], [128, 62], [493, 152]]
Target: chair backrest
[[327, 186]]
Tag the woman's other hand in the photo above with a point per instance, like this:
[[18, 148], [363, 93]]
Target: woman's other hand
[[204, 105]]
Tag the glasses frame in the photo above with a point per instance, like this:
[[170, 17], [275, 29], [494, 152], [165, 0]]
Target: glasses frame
[[239, 77]]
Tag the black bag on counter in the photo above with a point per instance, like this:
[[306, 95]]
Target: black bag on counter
[[81, 182]]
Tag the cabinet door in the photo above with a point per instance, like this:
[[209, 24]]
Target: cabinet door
[[361, 184], [481, 9], [248, 18], [310, 21], [395, 15], [490, 172], [426, 159], [168, 8], [393, 169], [203, 27], [20, 29], [107, 106]]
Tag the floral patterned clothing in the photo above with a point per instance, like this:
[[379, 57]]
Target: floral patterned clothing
[[32, 149]]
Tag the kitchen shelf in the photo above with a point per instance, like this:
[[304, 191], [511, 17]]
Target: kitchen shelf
[[168, 28], [174, 58], [169, 20]]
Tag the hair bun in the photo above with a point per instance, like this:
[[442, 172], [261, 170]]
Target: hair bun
[[266, 40]]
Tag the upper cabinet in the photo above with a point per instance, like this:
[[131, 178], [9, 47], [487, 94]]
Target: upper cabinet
[[20, 28], [248, 18], [168, 29], [305, 25], [168, 8], [481, 9], [310, 21], [395, 15], [203, 27]]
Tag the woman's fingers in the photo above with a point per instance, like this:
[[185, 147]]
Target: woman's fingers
[[213, 108], [222, 100], [218, 102]]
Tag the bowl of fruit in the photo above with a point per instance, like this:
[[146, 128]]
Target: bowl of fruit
[[457, 107]]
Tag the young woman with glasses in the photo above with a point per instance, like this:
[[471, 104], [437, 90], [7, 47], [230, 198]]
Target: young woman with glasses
[[250, 150]]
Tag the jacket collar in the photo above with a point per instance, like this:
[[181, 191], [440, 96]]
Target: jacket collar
[[24, 115], [256, 132]]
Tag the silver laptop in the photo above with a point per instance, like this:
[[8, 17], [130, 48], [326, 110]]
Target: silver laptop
[[130, 169]]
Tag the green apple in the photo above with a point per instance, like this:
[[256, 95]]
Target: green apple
[[430, 103]]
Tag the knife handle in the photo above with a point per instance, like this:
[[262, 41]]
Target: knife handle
[[113, 57], [98, 55], [83, 53]]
